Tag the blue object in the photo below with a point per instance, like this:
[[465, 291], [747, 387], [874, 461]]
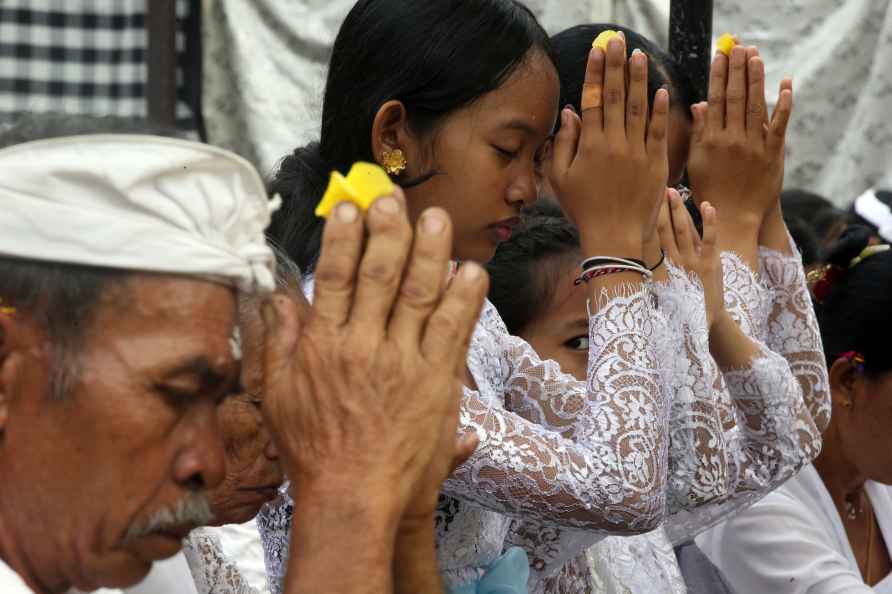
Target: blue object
[[506, 575]]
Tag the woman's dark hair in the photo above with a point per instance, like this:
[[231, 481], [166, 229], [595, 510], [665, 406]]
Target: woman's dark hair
[[571, 49], [435, 56], [527, 268], [805, 239], [817, 212], [856, 314]]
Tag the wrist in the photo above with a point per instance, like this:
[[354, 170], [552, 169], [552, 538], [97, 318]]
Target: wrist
[[628, 248], [773, 233], [375, 505], [324, 528]]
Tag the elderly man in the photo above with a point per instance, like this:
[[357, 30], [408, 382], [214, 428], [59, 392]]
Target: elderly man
[[118, 255]]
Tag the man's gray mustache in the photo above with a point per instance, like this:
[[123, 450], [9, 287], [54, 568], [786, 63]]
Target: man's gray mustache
[[193, 509]]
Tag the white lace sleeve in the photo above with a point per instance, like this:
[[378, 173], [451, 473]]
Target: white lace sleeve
[[607, 471], [774, 434], [746, 298], [274, 523], [212, 571], [604, 473], [701, 409], [793, 329]]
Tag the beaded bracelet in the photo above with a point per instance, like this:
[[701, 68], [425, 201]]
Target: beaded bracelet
[[610, 260], [596, 271], [662, 259]]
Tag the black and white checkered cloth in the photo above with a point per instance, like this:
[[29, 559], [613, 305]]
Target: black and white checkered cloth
[[80, 56]]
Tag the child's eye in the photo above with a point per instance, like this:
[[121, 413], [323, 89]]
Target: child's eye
[[577, 343]]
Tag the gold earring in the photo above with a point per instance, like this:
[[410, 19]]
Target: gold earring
[[846, 404], [394, 161]]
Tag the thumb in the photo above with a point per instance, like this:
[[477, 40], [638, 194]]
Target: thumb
[[465, 447], [710, 230], [667, 235]]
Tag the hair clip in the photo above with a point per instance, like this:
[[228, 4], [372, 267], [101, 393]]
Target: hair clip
[[867, 252], [821, 280], [855, 358]]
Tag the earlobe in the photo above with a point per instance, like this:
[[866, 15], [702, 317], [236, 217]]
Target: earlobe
[[390, 137], [843, 378]]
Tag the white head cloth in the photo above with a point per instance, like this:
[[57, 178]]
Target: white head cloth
[[873, 210], [143, 203]]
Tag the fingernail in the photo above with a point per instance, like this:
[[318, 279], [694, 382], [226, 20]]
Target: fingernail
[[387, 205], [570, 107], [636, 51], [346, 212], [469, 272], [433, 224]]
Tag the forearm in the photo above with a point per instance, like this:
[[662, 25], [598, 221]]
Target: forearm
[[729, 346], [415, 566], [773, 232], [342, 543], [740, 237]]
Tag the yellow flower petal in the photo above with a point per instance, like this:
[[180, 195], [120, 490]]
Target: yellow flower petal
[[369, 182], [602, 39], [364, 184], [726, 43], [338, 191]]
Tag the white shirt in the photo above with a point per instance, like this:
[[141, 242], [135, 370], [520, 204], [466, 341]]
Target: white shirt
[[171, 576], [793, 541], [241, 543], [10, 582]]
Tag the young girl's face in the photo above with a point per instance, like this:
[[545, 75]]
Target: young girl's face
[[488, 159], [561, 332], [679, 143]]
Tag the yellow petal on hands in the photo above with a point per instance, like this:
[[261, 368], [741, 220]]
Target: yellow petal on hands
[[364, 184], [368, 182], [602, 39], [338, 191], [726, 43]]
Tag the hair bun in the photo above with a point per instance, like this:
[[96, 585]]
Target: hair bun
[[849, 245]]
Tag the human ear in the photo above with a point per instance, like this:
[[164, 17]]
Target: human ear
[[391, 133]]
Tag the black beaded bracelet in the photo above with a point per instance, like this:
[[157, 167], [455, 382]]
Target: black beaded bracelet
[[610, 260], [662, 259]]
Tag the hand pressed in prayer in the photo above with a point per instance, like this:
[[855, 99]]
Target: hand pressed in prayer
[[363, 391], [609, 169], [737, 154], [685, 249]]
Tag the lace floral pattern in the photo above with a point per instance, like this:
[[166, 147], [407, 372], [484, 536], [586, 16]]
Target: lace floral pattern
[[640, 564], [773, 433], [602, 470], [793, 330], [274, 523], [212, 571], [698, 470]]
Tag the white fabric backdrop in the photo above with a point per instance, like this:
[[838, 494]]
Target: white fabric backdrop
[[265, 71]]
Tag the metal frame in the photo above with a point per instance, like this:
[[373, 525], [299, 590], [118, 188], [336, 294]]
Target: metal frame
[[690, 40], [161, 90]]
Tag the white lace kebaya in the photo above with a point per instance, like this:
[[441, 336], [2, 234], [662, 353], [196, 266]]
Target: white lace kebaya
[[595, 461], [735, 436]]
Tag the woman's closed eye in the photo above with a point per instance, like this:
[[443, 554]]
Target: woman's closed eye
[[577, 343], [505, 153]]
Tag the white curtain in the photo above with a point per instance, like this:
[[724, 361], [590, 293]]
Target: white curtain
[[265, 69]]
